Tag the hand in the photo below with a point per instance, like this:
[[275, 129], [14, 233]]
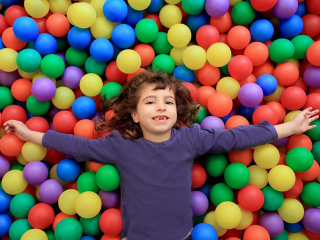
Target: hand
[[17, 128], [304, 118]]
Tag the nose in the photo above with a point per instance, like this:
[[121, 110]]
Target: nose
[[161, 106]]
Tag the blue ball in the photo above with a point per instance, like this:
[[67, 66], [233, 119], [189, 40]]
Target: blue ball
[[116, 52], [9, 3], [115, 10], [79, 38], [247, 112], [68, 170], [155, 6], [87, 238], [84, 107], [133, 17], [268, 83], [45, 44], [205, 189], [291, 27], [261, 30], [225, 118], [184, 73], [25, 29], [1, 44], [293, 227], [30, 115], [101, 50], [204, 231], [195, 22], [5, 223], [5, 200], [48, 166], [123, 36], [301, 11]]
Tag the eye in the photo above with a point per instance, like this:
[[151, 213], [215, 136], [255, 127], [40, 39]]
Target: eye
[[150, 102], [170, 103]]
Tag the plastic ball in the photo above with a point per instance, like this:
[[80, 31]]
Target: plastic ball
[[273, 199], [216, 8], [52, 66], [79, 38], [210, 219], [88, 204], [5, 200], [220, 193], [261, 30], [50, 190], [146, 30], [108, 177], [146, 53], [71, 77], [8, 61], [229, 86], [208, 75], [115, 10], [228, 215], [309, 194], [291, 211], [220, 104], [21, 204], [250, 198], [291, 27], [11, 41], [193, 8], [243, 13], [128, 61], [59, 217], [265, 113], [310, 219], [133, 17], [43, 89], [310, 76], [41, 216], [240, 67], [263, 6], [204, 231], [293, 98], [281, 50], [83, 15], [101, 50], [237, 175], [257, 52], [91, 84], [155, 6], [170, 15], [184, 73], [45, 44], [102, 28], [302, 163], [25, 29], [200, 203], [207, 35], [68, 170], [268, 83], [258, 176], [14, 112], [37, 8], [284, 9], [29, 60], [179, 35], [250, 95], [33, 152], [272, 222], [194, 57], [256, 232], [139, 4], [35, 173], [123, 36], [238, 37], [5, 224], [212, 122], [68, 228], [195, 22], [281, 178], [286, 73], [11, 145], [18, 228], [87, 182], [64, 98], [67, 201]]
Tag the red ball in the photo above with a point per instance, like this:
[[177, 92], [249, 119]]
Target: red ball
[[113, 73], [64, 122], [313, 100], [296, 190], [238, 37], [13, 12], [11, 145], [146, 53], [208, 75], [263, 6], [14, 112], [223, 24], [60, 216], [311, 235], [155, 17], [250, 198], [204, 93], [207, 35], [265, 112], [1, 122], [255, 232], [140, 70], [54, 157], [293, 98], [41, 22], [3, 24], [31, 190], [111, 222], [11, 41], [192, 89], [299, 140], [300, 83], [41, 216], [58, 25], [106, 237], [220, 104], [313, 6], [232, 233], [38, 124], [311, 25], [310, 174], [240, 67], [281, 111], [198, 176]]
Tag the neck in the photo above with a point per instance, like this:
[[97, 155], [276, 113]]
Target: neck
[[157, 138]]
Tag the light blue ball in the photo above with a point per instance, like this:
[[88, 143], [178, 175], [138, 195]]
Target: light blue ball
[[261, 30], [204, 231], [184, 73], [25, 29], [268, 83], [101, 50], [291, 27], [115, 10], [5, 200], [68, 170], [79, 38], [87, 238], [45, 44], [123, 36], [84, 107]]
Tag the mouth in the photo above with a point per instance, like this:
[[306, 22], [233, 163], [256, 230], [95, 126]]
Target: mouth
[[160, 119]]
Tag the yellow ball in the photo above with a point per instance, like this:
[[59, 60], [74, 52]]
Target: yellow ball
[[34, 234], [170, 15], [21, 160], [60, 6], [218, 54], [0, 6], [98, 6], [67, 201], [258, 176], [70, 12], [229, 86], [281, 178], [177, 55], [39, 74], [37, 193], [54, 175], [246, 219], [102, 28], [194, 57], [33, 152], [8, 61], [64, 98], [266, 156], [13, 182], [291, 115], [91, 84], [210, 219], [83, 15], [28, 75], [297, 236], [228, 215], [179, 35], [128, 61], [173, 1], [291, 210], [234, 2], [275, 97], [88, 204], [295, 62], [139, 4], [37, 8]]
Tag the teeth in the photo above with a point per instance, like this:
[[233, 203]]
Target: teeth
[[161, 118]]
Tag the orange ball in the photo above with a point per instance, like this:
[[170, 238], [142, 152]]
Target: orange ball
[[239, 37], [244, 157], [220, 104], [250, 79], [255, 232], [235, 121], [58, 25], [140, 70], [223, 23], [265, 112], [265, 68], [208, 75], [198, 176], [281, 111], [59, 217], [11, 145], [313, 54], [204, 93], [111, 222], [146, 53], [299, 140], [95, 166], [286, 73], [85, 128], [11, 41], [21, 89], [310, 174], [257, 52]]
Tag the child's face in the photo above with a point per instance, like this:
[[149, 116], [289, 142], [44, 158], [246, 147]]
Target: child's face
[[154, 103]]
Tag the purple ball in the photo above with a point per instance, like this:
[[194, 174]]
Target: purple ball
[[311, 76], [272, 222], [71, 77], [8, 78], [43, 89], [63, 58], [285, 8], [311, 219], [35, 173], [51, 127], [96, 117], [50, 191], [110, 199], [250, 95], [217, 8], [212, 122], [4, 166], [280, 142], [52, 111], [200, 203]]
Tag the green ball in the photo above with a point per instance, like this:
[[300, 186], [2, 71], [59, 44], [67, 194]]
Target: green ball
[[224, 70], [18, 228], [282, 236], [6, 97], [281, 50], [199, 219], [316, 151], [62, 42], [36, 107], [87, 182], [28, 60], [313, 134], [111, 90], [201, 114], [108, 177], [90, 226], [29, 45], [52, 66], [243, 13], [237, 175], [50, 234], [221, 192], [193, 7], [161, 45], [299, 159], [17, 166], [311, 194], [163, 62], [68, 228], [76, 57], [215, 164], [273, 199], [301, 44], [92, 66], [146, 30], [21, 204]]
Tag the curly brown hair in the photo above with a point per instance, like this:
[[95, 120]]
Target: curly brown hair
[[127, 101]]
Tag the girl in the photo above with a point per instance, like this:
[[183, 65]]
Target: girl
[[154, 153]]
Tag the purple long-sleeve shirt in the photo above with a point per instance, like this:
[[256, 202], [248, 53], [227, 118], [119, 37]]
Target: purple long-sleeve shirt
[[156, 177]]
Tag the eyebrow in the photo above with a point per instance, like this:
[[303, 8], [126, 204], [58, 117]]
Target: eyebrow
[[154, 96]]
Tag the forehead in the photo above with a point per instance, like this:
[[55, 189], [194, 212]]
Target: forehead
[[148, 90]]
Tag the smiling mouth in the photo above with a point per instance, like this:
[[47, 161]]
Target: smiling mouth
[[160, 119]]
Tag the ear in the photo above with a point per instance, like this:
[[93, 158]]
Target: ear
[[134, 116]]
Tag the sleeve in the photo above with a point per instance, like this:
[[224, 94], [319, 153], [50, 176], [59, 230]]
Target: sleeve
[[105, 150], [216, 140]]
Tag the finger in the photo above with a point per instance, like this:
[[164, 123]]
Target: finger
[[313, 118], [312, 126]]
